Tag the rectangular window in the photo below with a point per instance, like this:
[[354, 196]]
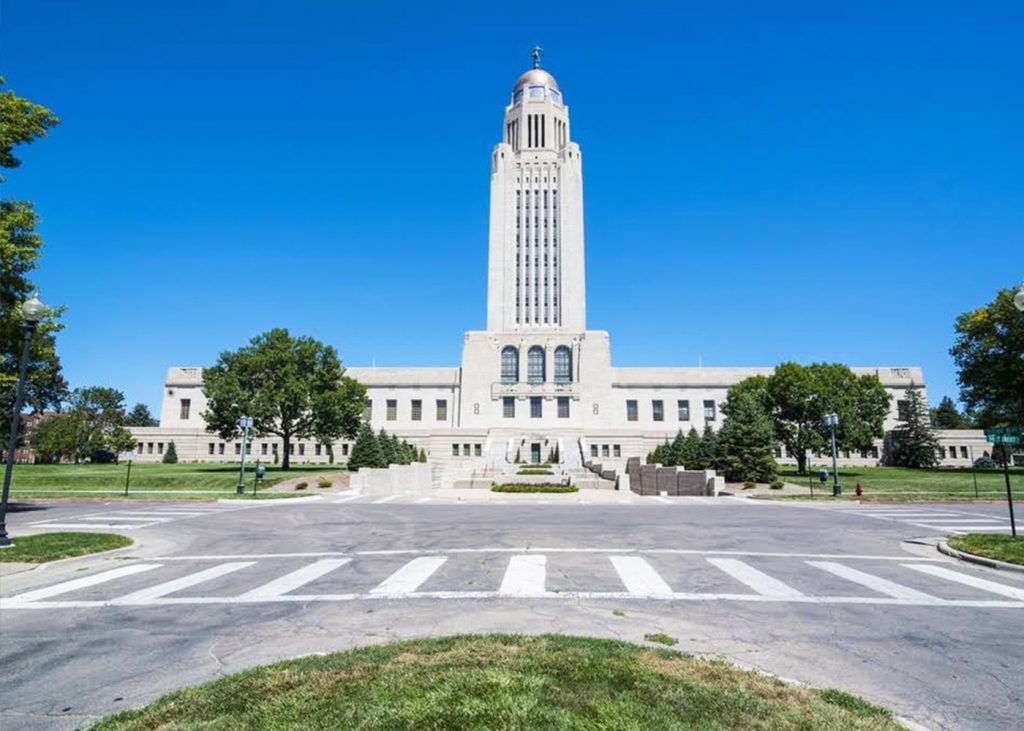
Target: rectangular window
[[141, 446], [302, 450], [238, 449], [368, 410], [683, 405], [465, 450], [902, 409], [220, 448], [616, 450], [273, 447], [291, 449], [777, 452], [536, 407], [963, 453], [159, 447], [631, 411], [658, 410], [709, 411], [563, 407], [874, 452], [392, 409], [263, 448], [455, 450], [316, 449], [344, 450], [508, 407], [478, 450], [604, 450], [442, 409], [186, 406], [417, 410], [593, 450], [149, 448], [212, 447]]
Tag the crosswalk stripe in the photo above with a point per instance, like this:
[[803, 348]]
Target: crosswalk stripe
[[759, 581], [962, 528], [411, 576], [524, 575], [951, 521], [387, 499], [105, 526], [639, 577], [158, 513], [295, 579], [983, 584], [130, 518], [875, 583], [168, 587], [100, 578]]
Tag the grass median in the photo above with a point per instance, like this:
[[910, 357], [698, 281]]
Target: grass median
[[506, 682], [44, 547], [197, 481], [1001, 548], [528, 487]]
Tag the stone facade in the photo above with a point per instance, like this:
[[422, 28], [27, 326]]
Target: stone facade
[[537, 378]]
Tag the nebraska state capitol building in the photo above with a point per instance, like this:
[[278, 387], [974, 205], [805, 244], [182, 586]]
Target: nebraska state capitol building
[[536, 377]]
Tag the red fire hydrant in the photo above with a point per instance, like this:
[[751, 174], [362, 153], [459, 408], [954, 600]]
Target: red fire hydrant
[[858, 489]]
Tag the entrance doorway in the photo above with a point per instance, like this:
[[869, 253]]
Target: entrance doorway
[[535, 452]]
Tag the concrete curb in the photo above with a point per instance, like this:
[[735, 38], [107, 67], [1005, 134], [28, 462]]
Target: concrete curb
[[991, 563], [271, 501]]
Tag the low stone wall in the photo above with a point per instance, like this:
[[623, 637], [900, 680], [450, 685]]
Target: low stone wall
[[398, 478], [653, 479]]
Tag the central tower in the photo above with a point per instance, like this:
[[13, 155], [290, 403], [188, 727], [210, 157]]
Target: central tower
[[535, 278]]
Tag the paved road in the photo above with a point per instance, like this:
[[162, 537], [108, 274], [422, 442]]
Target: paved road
[[829, 594]]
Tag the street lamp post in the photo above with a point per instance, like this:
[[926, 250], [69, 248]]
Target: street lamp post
[[245, 423], [33, 311], [832, 421]]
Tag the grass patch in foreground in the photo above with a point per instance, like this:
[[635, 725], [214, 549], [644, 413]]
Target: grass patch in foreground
[[45, 547], [1001, 548], [507, 682], [526, 487]]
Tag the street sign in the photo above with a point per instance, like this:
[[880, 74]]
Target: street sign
[[1003, 438]]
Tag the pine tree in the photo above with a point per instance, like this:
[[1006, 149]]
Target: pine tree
[[946, 415], [676, 450], [687, 455], [422, 456], [747, 439], [557, 457], [366, 451], [913, 443], [709, 451], [387, 447], [171, 455]]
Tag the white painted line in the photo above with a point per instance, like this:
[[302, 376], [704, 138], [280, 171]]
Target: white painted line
[[424, 500], [133, 519], [346, 499], [952, 521], [660, 499], [524, 576], [295, 579], [639, 577], [387, 499], [410, 576], [66, 586], [759, 581], [157, 513], [962, 528], [983, 584], [875, 583], [155, 592], [105, 526]]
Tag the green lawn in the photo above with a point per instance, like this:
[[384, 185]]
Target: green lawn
[[898, 484], [45, 547], [505, 682], [196, 480], [1002, 548]]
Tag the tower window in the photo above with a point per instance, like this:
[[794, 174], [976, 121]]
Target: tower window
[[509, 364], [563, 364], [535, 360], [536, 407]]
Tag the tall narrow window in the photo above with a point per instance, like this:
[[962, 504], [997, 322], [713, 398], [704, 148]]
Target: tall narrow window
[[684, 409], [658, 410], [186, 406], [631, 411], [509, 364], [368, 410], [563, 364], [536, 407], [709, 411], [417, 410], [508, 407], [392, 409], [535, 365], [563, 407], [442, 409]]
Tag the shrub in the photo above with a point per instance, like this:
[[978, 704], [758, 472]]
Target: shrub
[[777, 484], [322, 482], [985, 462], [171, 455], [519, 487], [301, 485], [748, 485]]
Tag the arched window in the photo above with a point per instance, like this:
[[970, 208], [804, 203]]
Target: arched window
[[509, 364], [563, 364], [535, 365]]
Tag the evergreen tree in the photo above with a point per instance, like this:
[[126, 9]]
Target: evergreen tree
[[946, 415], [387, 449], [687, 454], [557, 458], [913, 443], [747, 439], [708, 452], [140, 416], [676, 450], [171, 455], [366, 451], [660, 454], [423, 456]]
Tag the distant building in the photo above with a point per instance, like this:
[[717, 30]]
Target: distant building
[[536, 377]]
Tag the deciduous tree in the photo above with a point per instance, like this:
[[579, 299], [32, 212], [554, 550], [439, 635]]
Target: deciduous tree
[[292, 387]]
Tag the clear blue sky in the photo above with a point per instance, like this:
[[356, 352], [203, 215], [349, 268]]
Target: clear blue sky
[[763, 181]]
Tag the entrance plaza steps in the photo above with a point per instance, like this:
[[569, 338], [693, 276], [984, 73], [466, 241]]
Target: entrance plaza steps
[[511, 474]]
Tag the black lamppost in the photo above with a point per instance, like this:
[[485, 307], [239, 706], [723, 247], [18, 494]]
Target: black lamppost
[[33, 311]]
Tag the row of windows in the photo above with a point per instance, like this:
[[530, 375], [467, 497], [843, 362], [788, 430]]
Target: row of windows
[[477, 450], [950, 453], [658, 410], [219, 448], [416, 410], [781, 452], [536, 370], [508, 407], [616, 450]]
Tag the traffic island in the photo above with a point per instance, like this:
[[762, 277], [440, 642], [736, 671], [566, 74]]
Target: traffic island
[[504, 682], [1001, 552], [45, 547]]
